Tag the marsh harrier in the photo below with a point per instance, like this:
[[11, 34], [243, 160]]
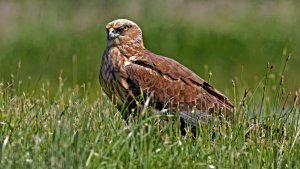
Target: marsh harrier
[[128, 71]]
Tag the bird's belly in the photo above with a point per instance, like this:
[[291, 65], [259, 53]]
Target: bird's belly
[[112, 88]]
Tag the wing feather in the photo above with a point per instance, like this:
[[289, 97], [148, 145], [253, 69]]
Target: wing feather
[[175, 70], [169, 81]]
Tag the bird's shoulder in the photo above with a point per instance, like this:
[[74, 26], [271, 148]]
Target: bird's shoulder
[[167, 67]]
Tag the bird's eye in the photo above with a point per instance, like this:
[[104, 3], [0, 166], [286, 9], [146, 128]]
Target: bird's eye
[[125, 28]]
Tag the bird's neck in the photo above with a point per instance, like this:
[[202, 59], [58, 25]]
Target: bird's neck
[[138, 42], [117, 42], [131, 49], [118, 54]]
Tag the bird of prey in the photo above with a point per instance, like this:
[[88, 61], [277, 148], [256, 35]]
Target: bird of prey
[[128, 70]]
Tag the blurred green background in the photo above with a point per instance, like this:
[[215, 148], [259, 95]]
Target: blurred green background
[[231, 39]]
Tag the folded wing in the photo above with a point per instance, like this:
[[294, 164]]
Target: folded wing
[[172, 84]]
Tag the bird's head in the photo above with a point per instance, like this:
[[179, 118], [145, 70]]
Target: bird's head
[[123, 31]]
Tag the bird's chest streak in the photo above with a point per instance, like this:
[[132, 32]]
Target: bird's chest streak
[[113, 71]]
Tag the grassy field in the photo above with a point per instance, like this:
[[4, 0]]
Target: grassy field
[[70, 130], [53, 113]]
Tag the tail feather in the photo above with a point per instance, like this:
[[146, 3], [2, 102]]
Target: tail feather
[[193, 118]]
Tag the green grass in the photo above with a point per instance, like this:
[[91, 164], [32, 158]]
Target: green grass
[[71, 129]]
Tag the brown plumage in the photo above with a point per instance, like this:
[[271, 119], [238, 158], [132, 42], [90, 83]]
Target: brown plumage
[[128, 70]]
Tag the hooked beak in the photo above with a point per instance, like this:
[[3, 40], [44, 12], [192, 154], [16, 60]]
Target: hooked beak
[[111, 34]]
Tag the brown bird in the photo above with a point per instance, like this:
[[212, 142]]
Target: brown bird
[[130, 72]]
